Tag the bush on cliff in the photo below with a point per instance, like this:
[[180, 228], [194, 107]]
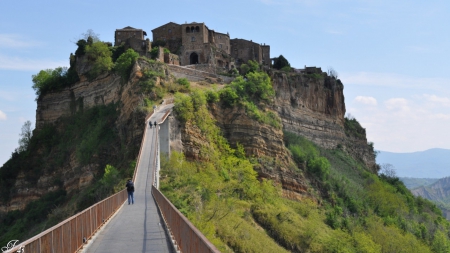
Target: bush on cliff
[[99, 56], [280, 62], [125, 62], [53, 80]]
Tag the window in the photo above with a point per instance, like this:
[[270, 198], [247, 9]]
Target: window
[[220, 45], [220, 37], [170, 30], [118, 33], [192, 38]]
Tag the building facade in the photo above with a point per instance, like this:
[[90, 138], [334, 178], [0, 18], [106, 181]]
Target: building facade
[[132, 38]]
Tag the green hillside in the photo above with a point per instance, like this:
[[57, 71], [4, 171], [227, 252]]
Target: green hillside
[[347, 208], [350, 208]]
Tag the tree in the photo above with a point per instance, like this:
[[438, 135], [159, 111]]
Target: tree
[[25, 136], [125, 62], [388, 170], [332, 73], [280, 62], [91, 34], [100, 56]]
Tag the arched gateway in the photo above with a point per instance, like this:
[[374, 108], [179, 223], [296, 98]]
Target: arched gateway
[[193, 58]]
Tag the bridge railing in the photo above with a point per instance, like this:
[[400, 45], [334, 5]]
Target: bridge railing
[[70, 235], [188, 238]]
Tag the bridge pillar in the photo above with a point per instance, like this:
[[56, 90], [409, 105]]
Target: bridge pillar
[[164, 137]]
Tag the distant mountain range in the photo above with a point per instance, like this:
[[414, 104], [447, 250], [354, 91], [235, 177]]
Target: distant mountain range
[[431, 163]]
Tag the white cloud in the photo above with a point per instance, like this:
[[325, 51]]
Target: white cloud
[[16, 41], [396, 103], [17, 63], [394, 81], [2, 116], [442, 101], [440, 116], [366, 100]]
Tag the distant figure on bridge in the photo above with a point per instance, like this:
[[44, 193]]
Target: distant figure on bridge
[[155, 124], [150, 123], [130, 190]]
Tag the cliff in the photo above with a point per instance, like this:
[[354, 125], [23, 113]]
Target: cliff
[[307, 105], [310, 107], [55, 109]]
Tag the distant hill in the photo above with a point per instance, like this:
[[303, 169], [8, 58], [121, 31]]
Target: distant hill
[[438, 192], [412, 183], [431, 163]]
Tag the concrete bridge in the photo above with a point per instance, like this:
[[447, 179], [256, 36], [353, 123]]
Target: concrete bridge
[[151, 224]]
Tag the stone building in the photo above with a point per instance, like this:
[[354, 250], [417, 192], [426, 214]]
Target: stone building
[[132, 38], [195, 43], [168, 35], [244, 50]]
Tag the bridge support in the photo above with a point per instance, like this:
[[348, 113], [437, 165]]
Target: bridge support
[[164, 138]]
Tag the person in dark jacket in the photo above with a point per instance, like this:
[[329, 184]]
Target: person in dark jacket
[[150, 123], [130, 190], [155, 124]]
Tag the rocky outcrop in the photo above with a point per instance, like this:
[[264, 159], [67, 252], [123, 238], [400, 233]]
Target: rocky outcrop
[[313, 106], [51, 107]]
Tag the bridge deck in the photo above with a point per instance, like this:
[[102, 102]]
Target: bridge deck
[[138, 227]]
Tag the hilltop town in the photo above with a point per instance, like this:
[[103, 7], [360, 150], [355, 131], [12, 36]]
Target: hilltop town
[[194, 43]]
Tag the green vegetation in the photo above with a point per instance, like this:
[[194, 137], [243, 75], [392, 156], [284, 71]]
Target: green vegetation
[[53, 79], [353, 128], [101, 58], [96, 144], [98, 56], [250, 67], [352, 209], [280, 62], [124, 63], [17, 223], [255, 88]]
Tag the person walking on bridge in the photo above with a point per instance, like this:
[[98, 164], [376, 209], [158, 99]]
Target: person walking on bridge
[[130, 190], [150, 123], [155, 124]]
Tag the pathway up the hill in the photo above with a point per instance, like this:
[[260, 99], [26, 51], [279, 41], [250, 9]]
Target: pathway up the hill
[[137, 227]]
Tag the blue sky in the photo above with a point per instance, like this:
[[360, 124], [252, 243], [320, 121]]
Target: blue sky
[[392, 56]]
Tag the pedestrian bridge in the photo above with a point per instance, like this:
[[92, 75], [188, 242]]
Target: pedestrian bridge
[[151, 224]]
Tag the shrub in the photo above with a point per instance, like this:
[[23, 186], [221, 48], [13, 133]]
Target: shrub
[[280, 62], [319, 166], [212, 96], [125, 62], [229, 96], [53, 79], [99, 55], [184, 82]]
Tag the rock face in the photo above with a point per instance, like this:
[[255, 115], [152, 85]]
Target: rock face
[[104, 90], [308, 105], [313, 106]]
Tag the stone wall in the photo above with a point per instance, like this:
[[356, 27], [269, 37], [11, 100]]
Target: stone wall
[[121, 35], [170, 58], [222, 41], [171, 33], [195, 75], [244, 50], [266, 55]]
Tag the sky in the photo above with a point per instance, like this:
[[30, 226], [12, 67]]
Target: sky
[[392, 56]]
